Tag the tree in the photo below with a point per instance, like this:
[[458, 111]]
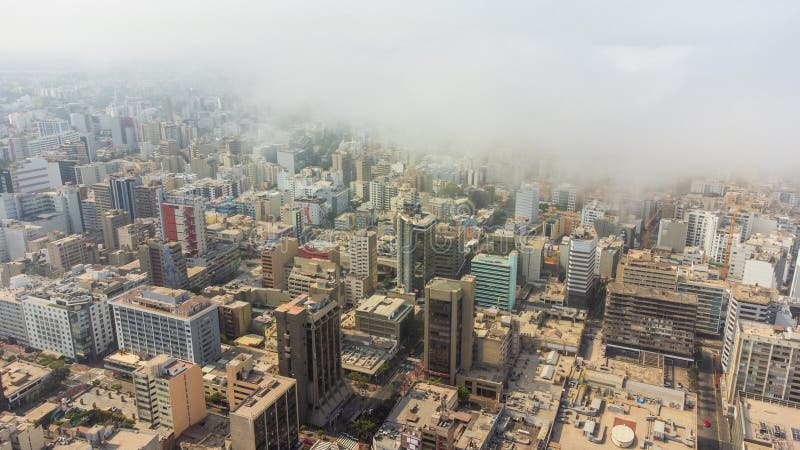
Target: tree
[[116, 387], [383, 368], [216, 398], [463, 395], [452, 190]]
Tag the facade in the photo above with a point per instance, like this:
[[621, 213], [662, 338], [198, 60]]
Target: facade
[[12, 318], [495, 280], [649, 324], [18, 433], [449, 306], [672, 235], [235, 318], [167, 393], [156, 320], [526, 204], [531, 260], [146, 200], [69, 323], [183, 220], [449, 256], [309, 350], [580, 280], [164, 264], [565, 197], [415, 252], [701, 226], [752, 303], [123, 194], [712, 296], [363, 248], [67, 252], [267, 417], [384, 317], [765, 362], [274, 259], [112, 221], [638, 268]]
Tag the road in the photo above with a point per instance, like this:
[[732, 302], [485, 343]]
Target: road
[[717, 436]]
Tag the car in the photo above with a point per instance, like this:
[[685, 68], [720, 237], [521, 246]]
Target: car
[[680, 385], [307, 441], [706, 423]]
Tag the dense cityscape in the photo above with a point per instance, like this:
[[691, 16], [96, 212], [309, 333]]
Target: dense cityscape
[[185, 264]]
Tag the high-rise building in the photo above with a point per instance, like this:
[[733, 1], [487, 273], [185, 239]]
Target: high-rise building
[[123, 194], [752, 303], [526, 204], [384, 317], [531, 259], [70, 323], [309, 350], [275, 257], [67, 252], [649, 324], [293, 215], [112, 221], [264, 412], [765, 362], [672, 235], [133, 235], [102, 196], [712, 296], [363, 248], [415, 252], [146, 200], [449, 256], [343, 162], [581, 260], [449, 307], [495, 280], [156, 320], [701, 227], [565, 197], [639, 268], [166, 393], [12, 319], [183, 219], [164, 264]]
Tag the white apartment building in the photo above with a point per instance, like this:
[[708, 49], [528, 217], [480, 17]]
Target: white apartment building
[[12, 318], [527, 202], [581, 262], [753, 303], [701, 227]]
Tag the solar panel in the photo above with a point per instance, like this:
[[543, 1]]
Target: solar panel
[[796, 434]]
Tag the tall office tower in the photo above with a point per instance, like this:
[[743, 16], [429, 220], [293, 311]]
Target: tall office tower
[[495, 280], [701, 226], [363, 250], [67, 252], [565, 197], [293, 215], [752, 303], [34, 174], [122, 193], [342, 162], [112, 221], [264, 413], [363, 169], [309, 350], [169, 132], [70, 323], [289, 159], [711, 294], [102, 197], [275, 258], [649, 324], [531, 260], [415, 252], [164, 264], [526, 202], [156, 320], [183, 219], [150, 132], [12, 318], [765, 362], [449, 256], [146, 200], [581, 260], [672, 235], [449, 306], [794, 289], [52, 127], [166, 393]]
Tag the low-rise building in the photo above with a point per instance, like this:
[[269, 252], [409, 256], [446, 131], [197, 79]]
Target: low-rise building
[[384, 317], [21, 382]]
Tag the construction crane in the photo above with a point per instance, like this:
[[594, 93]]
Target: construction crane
[[729, 244]]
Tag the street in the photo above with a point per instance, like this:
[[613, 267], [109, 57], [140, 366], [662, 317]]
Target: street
[[715, 437]]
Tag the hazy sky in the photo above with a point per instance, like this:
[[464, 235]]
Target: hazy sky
[[664, 83]]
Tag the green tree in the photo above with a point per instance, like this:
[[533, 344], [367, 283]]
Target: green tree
[[463, 395], [216, 398]]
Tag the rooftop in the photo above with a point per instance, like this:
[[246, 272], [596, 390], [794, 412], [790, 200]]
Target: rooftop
[[383, 306], [758, 295], [773, 425], [272, 388], [652, 293]]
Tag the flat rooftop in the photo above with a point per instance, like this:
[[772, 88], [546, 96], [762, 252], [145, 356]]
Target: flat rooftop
[[758, 295], [444, 284], [272, 388], [773, 425], [664, 295]]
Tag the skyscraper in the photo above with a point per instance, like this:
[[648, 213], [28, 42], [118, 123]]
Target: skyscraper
[[495, 280], [309, 350], [363, 249], [449, 307], [581, 261], [111, 221], [415, 252], [526, 203], [164, 263], [183, 219], [123, 195]]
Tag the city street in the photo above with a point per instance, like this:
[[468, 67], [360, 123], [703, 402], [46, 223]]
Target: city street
[[715, 437]]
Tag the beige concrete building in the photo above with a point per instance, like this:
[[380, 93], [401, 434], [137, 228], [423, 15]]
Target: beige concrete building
[[274, 260], [267, 418], [168, 393], [17, 433], [67, 252], [640, 268]]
